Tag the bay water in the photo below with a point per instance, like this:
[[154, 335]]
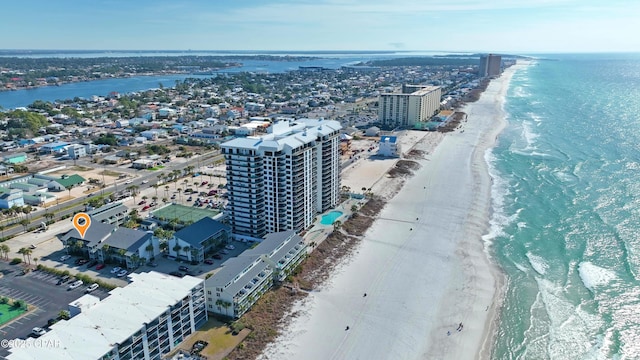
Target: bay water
[[566, 210]]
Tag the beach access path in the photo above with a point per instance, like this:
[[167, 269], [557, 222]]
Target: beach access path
[[422, 263]]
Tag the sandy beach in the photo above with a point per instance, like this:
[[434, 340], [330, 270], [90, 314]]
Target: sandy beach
[[423, 264]]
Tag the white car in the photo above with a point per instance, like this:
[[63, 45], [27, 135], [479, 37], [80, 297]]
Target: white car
[[122, 273], [75, 284], [38, 331], [128, 181], [116, 270], [65, 257], [230, 247], [92, 287], [145, 181]]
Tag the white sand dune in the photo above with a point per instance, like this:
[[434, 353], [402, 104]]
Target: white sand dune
[[422, 264]]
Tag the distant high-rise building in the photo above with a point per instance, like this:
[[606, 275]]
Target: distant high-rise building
[[282, 180], [414, 104], [490, 65]]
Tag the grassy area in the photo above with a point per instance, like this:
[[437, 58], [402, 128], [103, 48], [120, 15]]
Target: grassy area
[[110, 173], [159, 167], [219, 337], [81, 168], [8, 313]]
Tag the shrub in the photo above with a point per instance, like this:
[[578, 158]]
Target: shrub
[[19, 304], [15, 261], [4, 300]]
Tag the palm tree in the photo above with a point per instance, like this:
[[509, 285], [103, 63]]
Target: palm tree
[[177, 249], [164, 246], [166, 191], [149, 250], [35, 260], [26, 254], [180, 194], [106, 251], [337, 225], [186, 250], [4, 250], [155, 187], [25, 223]]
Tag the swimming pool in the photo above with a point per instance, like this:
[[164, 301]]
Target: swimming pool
[[330, 218]]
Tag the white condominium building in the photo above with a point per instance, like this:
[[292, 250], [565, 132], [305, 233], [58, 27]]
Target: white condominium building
[[242, 280], [414, 104], [143, 320], [282, 180]]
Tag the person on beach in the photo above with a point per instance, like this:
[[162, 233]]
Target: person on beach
[[365, 295], [347, 328], [459, 327]]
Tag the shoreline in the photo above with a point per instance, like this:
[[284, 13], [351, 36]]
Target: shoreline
[[460, 282]]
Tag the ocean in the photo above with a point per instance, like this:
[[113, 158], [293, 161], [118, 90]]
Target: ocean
[[566, 210]]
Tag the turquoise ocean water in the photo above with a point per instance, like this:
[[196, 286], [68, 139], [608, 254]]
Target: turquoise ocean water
[[566, 221]]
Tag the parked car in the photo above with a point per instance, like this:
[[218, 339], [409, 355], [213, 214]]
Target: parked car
[[52, 321], [146, 207], [100, 266], [173, 197], [142, 202], [217, 256], [92, 263], [116, 270], [198, 346], [208, 261], [92, 287], [145, 181], [32, 246], [64, 279], [177, 273], [65, 257], [204, 183], [190, 198], [152, 264], [128, 181], [38, 331], [81, 261], [183, 268], [212, 192], [224, 251], [229, 247], [75, 284], [122, 273]]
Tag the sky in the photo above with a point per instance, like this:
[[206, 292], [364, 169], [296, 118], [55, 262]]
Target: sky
[[513, 26]]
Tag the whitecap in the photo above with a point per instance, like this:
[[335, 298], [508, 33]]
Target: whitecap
[[593, 275], [537, 263]]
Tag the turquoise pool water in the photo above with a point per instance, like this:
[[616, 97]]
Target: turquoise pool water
[[330, 218]]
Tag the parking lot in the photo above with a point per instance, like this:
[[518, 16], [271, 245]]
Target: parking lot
[[40, 291]]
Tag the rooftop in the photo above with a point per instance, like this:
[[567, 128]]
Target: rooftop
[[95, 331], [200, 231]]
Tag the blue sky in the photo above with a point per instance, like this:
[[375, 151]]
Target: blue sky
[[518, 26]]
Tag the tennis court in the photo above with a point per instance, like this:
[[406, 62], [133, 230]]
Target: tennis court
[[183, 213]]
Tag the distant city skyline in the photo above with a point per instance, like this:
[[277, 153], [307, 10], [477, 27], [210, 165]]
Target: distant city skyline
[[540, 26]]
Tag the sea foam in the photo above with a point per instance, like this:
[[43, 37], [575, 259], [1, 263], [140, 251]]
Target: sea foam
[[593, 275]]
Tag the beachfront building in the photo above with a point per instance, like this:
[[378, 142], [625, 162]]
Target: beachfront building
[[389, 146], [490, 65], [243, 279], [281, 180], [146, 319], [415, 103]]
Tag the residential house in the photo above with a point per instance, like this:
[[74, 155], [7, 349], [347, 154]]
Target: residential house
[[16, 158], [10, 198], [389, 146]]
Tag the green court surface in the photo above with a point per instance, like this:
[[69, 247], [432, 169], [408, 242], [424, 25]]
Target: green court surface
[[183, 213], [8, 313]]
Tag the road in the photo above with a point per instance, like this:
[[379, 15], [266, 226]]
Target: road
[[144, 181]]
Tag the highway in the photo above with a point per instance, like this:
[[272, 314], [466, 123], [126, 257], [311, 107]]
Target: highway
[[144, 180]]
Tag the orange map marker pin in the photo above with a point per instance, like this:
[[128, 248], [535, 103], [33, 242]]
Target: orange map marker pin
[[81, 221]]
